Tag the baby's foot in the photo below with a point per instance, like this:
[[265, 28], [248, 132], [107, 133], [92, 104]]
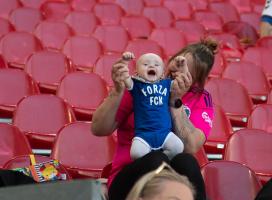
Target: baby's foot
[[181, 64], [128, 56]]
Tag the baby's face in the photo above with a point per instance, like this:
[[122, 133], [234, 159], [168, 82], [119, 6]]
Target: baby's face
[[150, 67]]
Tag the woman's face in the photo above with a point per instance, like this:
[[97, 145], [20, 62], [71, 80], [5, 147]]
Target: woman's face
[[172, 67], [172, 190]]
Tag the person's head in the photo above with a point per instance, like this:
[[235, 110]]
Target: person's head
[[200, 59], [150, 67], [163, 183]]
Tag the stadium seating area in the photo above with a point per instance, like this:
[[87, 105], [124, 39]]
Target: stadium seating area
[[55, 65]]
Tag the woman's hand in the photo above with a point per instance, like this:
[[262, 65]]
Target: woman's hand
[[182, 77]]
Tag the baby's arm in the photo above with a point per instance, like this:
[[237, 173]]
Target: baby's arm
[[127, 56]]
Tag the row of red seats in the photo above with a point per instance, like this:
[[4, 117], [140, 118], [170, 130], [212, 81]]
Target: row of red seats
[[247, 157]]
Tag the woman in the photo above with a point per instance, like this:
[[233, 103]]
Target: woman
[[162, 183], [192, 121]]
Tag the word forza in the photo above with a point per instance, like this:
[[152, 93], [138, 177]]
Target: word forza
[[157, 91]]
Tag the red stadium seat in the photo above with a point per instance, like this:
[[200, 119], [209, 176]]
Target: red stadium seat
[[55, 10], [14, 56], [114, 38], [40, 117], [170, 39], [82, 23], [3, 63], [14, 85], [232, 97], [261, 118], [83, 51], [137, 26], [131, 7], [251, 147], [199, 4], [220, 132], [140, 46], [218, 66], [25, 19], [176, 6], [242, 5], [108, 13], [24, 161], [265, 42], [5, 27], [269, 99], [201, 157], [260, 56], [210, 20], [53, 34], [83, 5], [12, 143], [153, 2], [227, 180], [159, 15], [244, 72], [84, 92], [192, 29], [7, 6], [252, 18], [226, 10], [47, 68], [82, 153], [32, 3]]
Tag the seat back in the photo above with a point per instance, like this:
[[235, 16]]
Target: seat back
[[55, 10], [226, 180]]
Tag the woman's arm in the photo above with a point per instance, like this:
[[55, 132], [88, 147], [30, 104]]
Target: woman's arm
[[193, 138]]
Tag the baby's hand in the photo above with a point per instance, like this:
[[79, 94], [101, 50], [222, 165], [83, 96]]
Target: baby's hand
[[181, 63], [127, 56]]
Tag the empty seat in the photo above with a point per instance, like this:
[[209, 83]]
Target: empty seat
[[32, 3], [226, 10], [84, 92], [108, 13], [252, 18], [7, 6], [260, 56], [16, 47], [47, 68], [242, 5], [210, 20], [5, 27], [53, 34], [141, 46], [218, 65], [159, 15], [201, 157], [170, 39], [153, 2], [114, 38], [3, 63], [220, 132], [82, 23], [265, 42], [55, 10], [261, 117], [269, 99], [14, 85], [12, 143], [131, 7], [83, 51], [40, 117], [24, 161], [175, 6], [232, 97], [193, 30], [199, 4], [25, 19], [82, 153], [225, 180], [82, 5], [137, 26], [245, 72], [251, 147]]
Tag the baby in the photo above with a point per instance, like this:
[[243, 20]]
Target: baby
[[151, 100]]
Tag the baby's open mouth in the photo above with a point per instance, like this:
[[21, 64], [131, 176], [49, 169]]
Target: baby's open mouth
[[151, 72]]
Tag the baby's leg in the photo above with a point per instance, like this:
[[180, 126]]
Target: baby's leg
[[172, 145], [139, 148]]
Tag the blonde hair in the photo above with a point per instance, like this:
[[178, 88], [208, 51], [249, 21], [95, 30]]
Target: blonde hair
[[150, 184]]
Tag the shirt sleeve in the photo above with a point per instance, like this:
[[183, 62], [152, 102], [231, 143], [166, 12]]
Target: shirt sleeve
[[125, 107]]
